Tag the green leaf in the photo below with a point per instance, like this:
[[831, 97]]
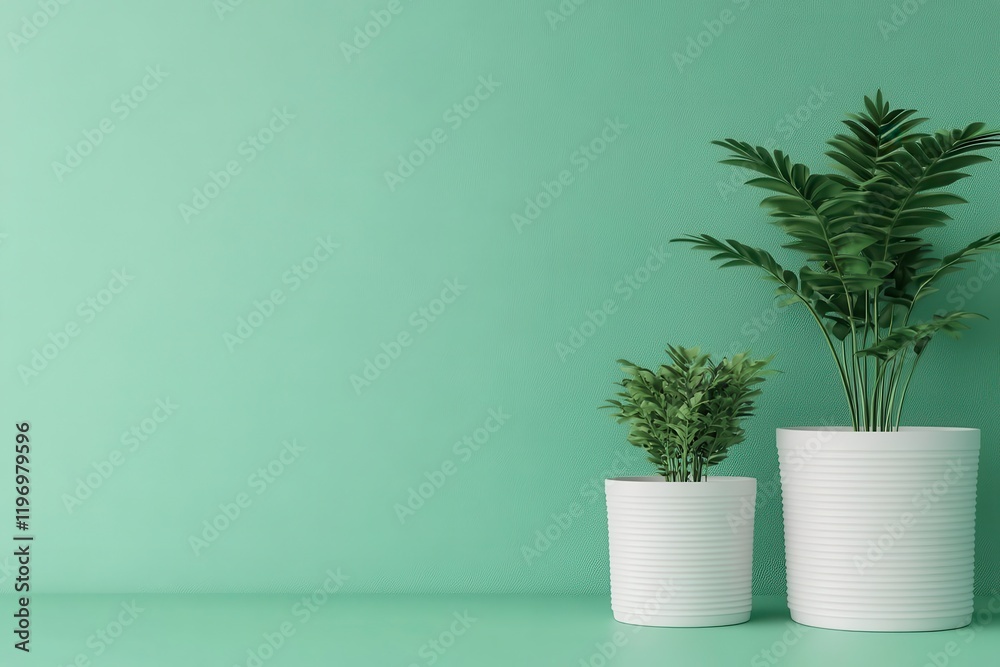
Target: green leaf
[[698, 412], [772, 184], [935, 199]]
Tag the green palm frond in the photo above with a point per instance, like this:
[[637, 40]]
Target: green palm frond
[[874, 135], [861, 231], [954, 262], [917, 336]]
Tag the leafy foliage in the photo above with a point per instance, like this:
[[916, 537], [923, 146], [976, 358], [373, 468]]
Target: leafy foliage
[[687, 415], [861, 230]]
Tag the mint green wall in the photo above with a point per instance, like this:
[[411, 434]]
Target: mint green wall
[[482, 361]]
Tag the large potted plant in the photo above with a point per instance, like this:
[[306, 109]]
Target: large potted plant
[[879, 518], [681, 542]]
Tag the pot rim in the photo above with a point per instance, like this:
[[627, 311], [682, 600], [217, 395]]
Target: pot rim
[[902, 429], [657, 478]]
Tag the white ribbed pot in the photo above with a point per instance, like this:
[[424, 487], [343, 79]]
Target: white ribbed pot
[[879, 527], [681, 552]]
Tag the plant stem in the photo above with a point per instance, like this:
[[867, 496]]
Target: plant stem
[[906, 386], [890, 393], [847, 295], [877, 402], [879, 389], [858, 385], [863, 366], [833, 352], [851, 396]]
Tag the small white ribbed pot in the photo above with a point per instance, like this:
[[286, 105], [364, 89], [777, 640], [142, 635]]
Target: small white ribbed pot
[[681, 552], [879, 527]]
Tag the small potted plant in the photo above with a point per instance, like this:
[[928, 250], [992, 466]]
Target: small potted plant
[[879, 518], [681, 542]]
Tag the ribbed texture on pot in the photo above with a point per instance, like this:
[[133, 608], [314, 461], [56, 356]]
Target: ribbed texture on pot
[[681, 553], [879, 527]]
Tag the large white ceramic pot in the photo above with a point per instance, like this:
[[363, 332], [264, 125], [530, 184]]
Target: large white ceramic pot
[[879, 527], [681, 552]]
